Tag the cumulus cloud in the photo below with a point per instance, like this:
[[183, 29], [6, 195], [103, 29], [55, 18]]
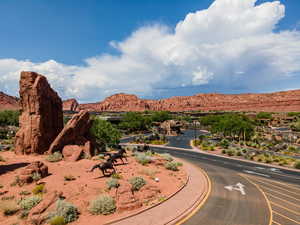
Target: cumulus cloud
[[232, 43]]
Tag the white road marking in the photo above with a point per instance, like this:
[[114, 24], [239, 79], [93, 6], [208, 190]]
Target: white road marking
[[237, 187], [252, 172]]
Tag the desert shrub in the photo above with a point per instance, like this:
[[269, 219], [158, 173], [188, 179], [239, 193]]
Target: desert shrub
[[17, 181], [36, 176], [57, 220], [211, 148], [224, 143], [112, 183], [29, 202], [297, 164], [179, 163], [142, 158], [103, 204], [38, 189], [2, 159], [171, 166], [25, 193], [9, 208], [1, 186], [116, 176], [166, 156], [239, 153], [55, 157], [157, 142], [223, 151], [66, 210], [69, 178], [230, 152], [137, 183]]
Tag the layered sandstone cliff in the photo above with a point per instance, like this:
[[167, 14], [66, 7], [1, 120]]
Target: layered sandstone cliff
[[8, 102], [71, 105], [284, 101]]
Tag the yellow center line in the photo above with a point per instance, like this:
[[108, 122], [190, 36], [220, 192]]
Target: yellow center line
[[288, 218], [276, 222], [263, 193], [281, 199], [277, 187], [290, 210], [281, 193], [284, 184]]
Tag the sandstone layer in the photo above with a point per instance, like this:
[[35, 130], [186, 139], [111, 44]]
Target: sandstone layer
[[71, 105], [76, 132], [42, 117], [8, 102], [285, 101]]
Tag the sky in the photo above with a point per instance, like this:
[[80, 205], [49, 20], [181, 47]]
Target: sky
[[92, 49]]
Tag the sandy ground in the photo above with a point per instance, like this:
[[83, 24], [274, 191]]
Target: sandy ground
[[87, 186]]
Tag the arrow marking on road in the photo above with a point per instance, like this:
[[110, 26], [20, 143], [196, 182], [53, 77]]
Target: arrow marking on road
[[252, 172], [237, 187]]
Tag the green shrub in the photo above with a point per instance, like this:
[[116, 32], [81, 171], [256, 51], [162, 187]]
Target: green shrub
[[29, 202], [239, 153], [142, 158], [38, 189], [230, 152], [137, 183], [224, 143], [69, 178], [66, 210], [223, 151], [116, 176], [167, 157], [57, 220], [179, 163], [103, 204], [112, 183], [55, 157], [36, 176], [9, 208], [297, 164], [171, 166]]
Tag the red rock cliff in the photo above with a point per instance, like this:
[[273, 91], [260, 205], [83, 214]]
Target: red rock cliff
[[8, 102], [70, 105], [284, 101]]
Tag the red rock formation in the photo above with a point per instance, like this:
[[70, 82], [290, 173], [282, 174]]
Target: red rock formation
[[285, 101], [8, 102], [75, 132], [71, 105], [34, 168], [42, 118]]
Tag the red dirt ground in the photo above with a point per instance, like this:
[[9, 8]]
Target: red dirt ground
[[88, 186]]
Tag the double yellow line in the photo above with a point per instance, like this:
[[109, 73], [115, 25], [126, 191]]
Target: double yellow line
[[194, 211]]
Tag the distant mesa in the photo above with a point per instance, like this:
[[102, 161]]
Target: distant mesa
[[8, 102], [284, 101]]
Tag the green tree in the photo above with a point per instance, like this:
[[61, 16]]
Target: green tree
[[105, 132], [296, 126], [264, 115], [9, 118], [161, 116], [134, 121]]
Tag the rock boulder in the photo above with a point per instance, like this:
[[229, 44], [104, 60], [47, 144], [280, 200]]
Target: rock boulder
[[75, 132], [42, 117], [28, 171]]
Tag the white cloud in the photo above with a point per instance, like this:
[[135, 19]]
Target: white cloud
[[231, 43]]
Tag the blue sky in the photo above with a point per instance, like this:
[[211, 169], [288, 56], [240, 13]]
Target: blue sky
[[70, 41]]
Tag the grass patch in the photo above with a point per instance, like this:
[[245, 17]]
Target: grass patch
[[103, 204], [55, 157]]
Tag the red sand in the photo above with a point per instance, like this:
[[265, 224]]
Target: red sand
[[88, 185]]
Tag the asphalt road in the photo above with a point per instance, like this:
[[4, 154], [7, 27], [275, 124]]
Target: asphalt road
[[271, 196]]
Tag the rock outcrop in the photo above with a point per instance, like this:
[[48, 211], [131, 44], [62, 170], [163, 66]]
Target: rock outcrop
[[8, 102], [170, 128], [34, 168], [71, 105], [75, 132], [285, 101], [42, 117]]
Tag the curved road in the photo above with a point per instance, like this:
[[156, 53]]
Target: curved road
[[243, 193]]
